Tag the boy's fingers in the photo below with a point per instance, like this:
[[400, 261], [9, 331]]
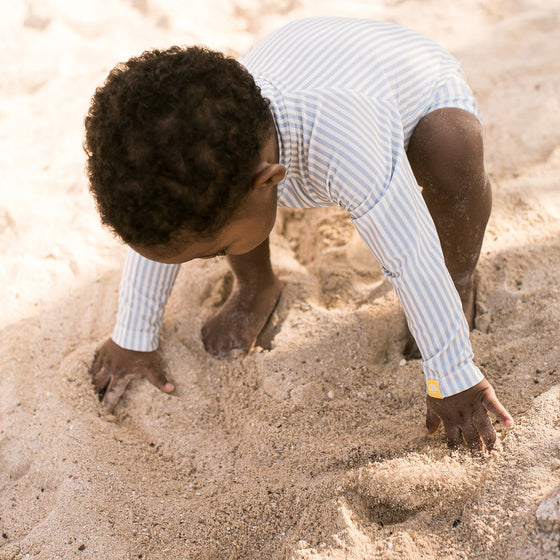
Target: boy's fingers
[[157, 378], [432, 421], [495, 407], [483, 424], [453, 435], [97, 362], [115, 391], [472, 437], [101, 379]]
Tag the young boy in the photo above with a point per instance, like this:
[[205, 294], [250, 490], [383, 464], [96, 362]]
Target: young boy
[[190, 153]]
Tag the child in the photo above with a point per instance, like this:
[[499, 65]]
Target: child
[[190, 153]]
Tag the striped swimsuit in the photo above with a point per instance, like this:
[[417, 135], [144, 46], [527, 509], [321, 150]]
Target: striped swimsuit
[[346, 95]]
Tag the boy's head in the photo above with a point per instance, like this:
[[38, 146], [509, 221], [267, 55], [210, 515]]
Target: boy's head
[[174, 140]]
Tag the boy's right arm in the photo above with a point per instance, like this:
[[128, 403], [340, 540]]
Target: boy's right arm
[[130, 352]]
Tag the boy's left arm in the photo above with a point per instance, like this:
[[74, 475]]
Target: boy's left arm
[[399, 231], [369, 175]]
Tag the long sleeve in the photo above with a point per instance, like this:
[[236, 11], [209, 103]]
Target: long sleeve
[[143, 292], [355, 158], [400, 233]]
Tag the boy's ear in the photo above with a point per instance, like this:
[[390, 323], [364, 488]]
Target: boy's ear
[[268, 175]]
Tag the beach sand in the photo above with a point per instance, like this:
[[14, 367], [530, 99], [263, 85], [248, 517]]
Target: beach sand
[[310, 447]]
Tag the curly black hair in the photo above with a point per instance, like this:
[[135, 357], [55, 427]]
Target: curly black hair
[[173, 139]]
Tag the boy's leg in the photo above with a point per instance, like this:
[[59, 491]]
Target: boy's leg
[[242, 317], [447, 157]]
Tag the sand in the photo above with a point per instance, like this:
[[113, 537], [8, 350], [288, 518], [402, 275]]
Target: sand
[[311, 447]]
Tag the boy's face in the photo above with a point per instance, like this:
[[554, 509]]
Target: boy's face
[[250, 225]]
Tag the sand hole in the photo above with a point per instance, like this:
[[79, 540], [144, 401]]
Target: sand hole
[[377, 511]]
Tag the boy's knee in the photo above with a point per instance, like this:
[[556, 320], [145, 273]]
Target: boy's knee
[[446, 153]]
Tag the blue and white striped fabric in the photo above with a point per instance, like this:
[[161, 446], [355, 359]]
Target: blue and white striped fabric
[[346, 95], [143, 292]]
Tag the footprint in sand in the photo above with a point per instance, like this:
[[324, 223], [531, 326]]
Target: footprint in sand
[[396, 490]]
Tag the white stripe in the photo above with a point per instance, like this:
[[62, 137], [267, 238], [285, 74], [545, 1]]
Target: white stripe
[[144, 290]]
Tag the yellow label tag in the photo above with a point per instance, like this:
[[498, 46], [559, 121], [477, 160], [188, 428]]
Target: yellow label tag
[[433, 388]]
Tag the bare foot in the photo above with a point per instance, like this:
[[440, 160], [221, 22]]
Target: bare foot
[[242, 317], [467, 294]]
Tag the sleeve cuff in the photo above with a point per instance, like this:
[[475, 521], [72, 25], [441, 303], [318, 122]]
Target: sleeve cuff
[[463, 378], [140, 341]]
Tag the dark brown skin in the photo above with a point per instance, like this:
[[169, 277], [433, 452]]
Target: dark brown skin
[[446, 156], [240, 320], [115, 367], [465, 417]]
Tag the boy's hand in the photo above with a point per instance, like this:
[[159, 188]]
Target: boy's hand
[[464, 415], [115, 367]]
